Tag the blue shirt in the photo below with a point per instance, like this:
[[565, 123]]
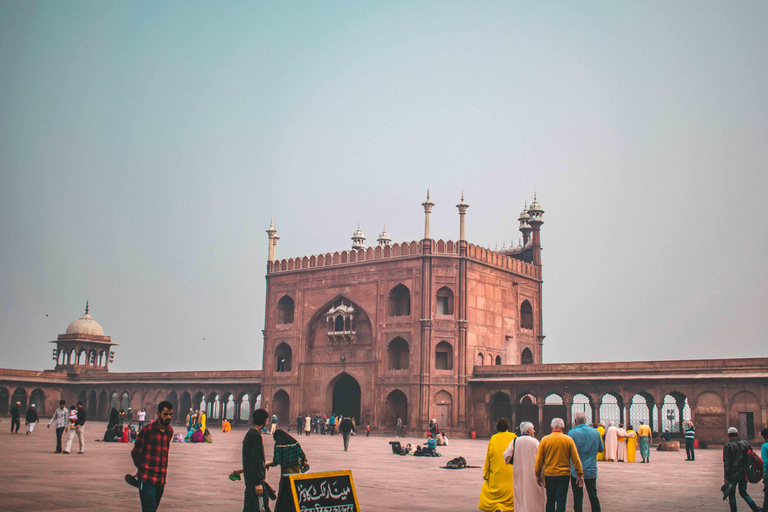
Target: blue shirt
[[588, 443], [764, 456]]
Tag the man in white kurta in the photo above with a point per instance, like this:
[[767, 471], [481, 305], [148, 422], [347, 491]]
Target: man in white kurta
[[528, 494], [611, 443], [621, 454]]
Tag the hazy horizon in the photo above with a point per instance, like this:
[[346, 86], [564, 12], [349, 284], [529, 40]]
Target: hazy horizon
[[145, 146]]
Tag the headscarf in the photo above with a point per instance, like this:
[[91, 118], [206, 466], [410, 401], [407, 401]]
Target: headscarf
[[288, 452]]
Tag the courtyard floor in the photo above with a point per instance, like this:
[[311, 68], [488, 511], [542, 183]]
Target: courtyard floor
[[34, 478]]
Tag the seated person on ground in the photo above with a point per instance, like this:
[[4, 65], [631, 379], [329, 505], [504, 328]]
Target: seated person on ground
[[397, 449], [197, 436], [225, 426]]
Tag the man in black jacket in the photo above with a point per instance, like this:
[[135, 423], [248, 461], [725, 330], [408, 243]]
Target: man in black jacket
[[734, 454], [347, 427], [15, 418], [31, 419], [254, 465]]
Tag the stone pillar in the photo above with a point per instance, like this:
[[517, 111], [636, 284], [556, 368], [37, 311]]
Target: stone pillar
[[461, 315], [425, 311], [659, 424], [273, 238], [568, 415], [462, 206], [541, 416], [625, 414]]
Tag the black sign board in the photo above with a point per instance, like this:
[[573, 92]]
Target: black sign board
[[332, 491]]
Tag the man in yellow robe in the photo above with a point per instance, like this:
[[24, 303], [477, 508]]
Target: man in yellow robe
[[496, 493], [601, 429]]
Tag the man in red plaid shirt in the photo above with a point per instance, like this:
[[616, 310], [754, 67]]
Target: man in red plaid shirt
[[150, 455]]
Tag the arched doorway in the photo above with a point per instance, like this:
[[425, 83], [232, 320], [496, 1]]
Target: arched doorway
[[281, 406], [37, 398], [395, 406], [346, 397], [92, 404]]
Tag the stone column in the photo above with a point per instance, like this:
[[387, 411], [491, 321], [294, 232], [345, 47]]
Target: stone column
[[568, 415], [625, 413], [541, 416], [427, 210], [461, 315]]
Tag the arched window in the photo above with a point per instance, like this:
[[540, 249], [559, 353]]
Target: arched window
[[498, 360], [399, 301], [444, 356], [285, 310], [444, 301], [480, 359], [398, 354], [526, 357], [526, 315], [283, 355], [338, 325]]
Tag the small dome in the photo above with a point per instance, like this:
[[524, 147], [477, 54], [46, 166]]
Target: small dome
[[384, 237], [524, 215], [85, 325], [535, 207]]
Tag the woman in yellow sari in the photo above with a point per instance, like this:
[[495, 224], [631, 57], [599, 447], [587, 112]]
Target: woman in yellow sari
[[496, 493], [631, 444], [601, 429]]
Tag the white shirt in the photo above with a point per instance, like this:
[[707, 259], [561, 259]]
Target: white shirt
[[142, 415]]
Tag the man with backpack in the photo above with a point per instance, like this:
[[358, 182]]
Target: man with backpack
[[735, 458]]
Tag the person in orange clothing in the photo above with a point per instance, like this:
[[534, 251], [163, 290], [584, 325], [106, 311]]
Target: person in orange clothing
[[557, 452]]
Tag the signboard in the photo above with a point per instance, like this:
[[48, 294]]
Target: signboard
[[333, 491]]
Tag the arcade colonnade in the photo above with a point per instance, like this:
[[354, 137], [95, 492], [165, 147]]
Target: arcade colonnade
[[232, 398], [712, 394]]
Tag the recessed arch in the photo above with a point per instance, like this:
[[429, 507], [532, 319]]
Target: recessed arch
[[4, 398], [281, 406], [526, 315], [444, 302], [345, 396], [582, 403], [526, 357], [444, 407], [37, 398], [444, 356], [480, 359], [501, 407], [398, 352], [285, 309], [497, 361], [395, 406], [399, 301], [283, 358]]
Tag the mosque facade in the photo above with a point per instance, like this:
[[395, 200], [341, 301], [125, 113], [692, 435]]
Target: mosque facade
[[419, 330]]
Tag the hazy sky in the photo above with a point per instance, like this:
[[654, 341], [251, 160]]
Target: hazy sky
[[144, 147]]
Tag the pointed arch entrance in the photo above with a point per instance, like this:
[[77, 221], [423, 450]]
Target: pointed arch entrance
[[345, 397]]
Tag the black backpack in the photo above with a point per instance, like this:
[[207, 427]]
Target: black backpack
[[753, 466], [457, 463]]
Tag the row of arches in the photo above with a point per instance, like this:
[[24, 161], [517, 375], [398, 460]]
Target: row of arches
[[82, 357], [36, 397], [667, 413], [398, 356]]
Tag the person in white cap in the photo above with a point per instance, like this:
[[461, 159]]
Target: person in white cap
[[734, 456], [31, 418]]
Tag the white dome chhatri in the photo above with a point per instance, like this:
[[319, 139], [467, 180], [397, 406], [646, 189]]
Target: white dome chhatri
[[85, 325]]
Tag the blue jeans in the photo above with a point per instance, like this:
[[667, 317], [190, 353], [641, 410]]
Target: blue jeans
[[399, 428], [557, 492], [150, 495], [689, 449]]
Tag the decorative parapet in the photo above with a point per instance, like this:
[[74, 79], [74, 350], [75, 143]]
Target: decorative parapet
[[403, 250]]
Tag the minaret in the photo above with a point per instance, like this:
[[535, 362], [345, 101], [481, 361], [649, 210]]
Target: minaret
[[462, 206], [427, 210], [525, 229], [535, 222], [384, 238], [358, 238], [273, 238]]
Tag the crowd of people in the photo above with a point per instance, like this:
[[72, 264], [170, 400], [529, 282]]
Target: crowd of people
[[527, 475]]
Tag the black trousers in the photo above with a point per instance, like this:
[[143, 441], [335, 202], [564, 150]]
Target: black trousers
[[765, 493], [578, 494], [743, 493], [59, 431], [253, 502], [15, 422], [689, 449], [557, 492]]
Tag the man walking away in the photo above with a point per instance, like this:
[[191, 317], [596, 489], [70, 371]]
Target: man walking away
[[78, 429], [15, 415], [61, 417], [150, 456], [734, 457], [588, 444], [347, 427], [399, 426], [690, 436], [31, 419], [764, 456], [142, 416], [556, 453], [644, 440], [274, 424], [254, 465]]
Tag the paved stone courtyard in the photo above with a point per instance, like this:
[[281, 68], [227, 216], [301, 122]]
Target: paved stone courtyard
[[34, 478]]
